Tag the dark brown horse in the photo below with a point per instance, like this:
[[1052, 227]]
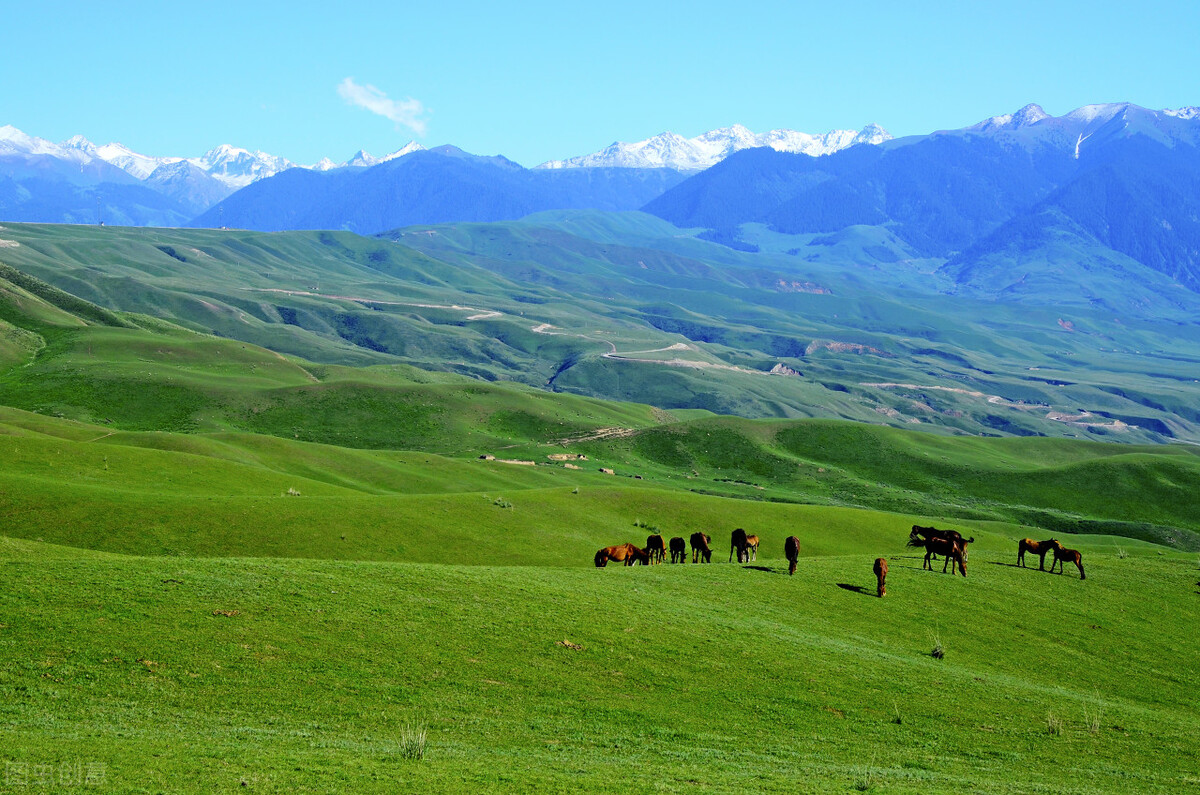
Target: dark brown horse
[[919, 535], [1039, 548], [737, 543], [678, 550], [953, 550], [881, 576], [700, 548], [1061, 553], [622, 552], [656, 547], [791, 551], [751, 548]]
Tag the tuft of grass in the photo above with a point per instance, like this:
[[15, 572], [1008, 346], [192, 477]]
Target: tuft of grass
[[292, 492], [411, 742], [500, 502], [1121, 553], [1054, 724], [1093, 718], [899, 719], [868, 779], [939, 650]]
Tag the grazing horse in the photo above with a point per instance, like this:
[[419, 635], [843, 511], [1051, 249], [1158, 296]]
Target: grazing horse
[[919, 534], [791, 551], [656, 547], [751, 548], [881, 576], [622, 552], [953, 550], [1061, 553], [1039, 548], [700, 548], [678, 550], [737, 542]]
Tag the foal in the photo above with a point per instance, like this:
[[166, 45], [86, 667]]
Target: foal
[[1061, 553]]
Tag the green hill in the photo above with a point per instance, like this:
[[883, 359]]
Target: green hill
[[230, 567], [309, 676], [620, 306]]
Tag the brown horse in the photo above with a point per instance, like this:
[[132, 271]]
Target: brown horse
[[700, 548], [1061, 553], [1039, 548], [678, 550], [656, 547], [953, 550], [622, 552], [918, 536], [737, 542], [881, 576], [791, 551], [751, 548]]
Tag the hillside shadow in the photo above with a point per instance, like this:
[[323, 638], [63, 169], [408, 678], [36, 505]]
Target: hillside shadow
[[845, 586]]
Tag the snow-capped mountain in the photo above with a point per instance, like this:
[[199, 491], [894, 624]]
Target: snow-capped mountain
[[194, 183], [669, 150], [1086, 126], [363, 160]]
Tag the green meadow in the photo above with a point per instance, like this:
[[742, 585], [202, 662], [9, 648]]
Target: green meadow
[[318, 567]]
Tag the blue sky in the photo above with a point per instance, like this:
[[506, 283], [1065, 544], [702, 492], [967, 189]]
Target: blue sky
[[536, 81]]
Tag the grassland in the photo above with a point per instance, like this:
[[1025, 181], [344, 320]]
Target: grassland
[[549, 300], [205, 674], [228, 567]]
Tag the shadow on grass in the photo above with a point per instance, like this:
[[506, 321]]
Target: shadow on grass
[[845, 586], [767, 569], [1013, 566]]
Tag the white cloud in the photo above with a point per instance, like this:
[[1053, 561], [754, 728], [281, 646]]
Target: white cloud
[[404, 112]]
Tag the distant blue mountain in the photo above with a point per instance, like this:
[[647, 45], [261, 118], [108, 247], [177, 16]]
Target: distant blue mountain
[[1114, 178], [433, 186]]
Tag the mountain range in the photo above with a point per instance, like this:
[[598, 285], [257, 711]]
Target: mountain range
[[669, 150], [74, 169], [1084, 207], [1097, 207]]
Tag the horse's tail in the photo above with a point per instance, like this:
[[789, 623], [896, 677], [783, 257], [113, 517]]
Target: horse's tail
[[915, 541]]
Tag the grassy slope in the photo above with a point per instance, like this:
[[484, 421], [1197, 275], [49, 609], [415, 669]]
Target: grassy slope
[[718, 677], [620, 279], [725, 677]]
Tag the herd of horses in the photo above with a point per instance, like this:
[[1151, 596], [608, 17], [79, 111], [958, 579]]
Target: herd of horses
[[950, 544]]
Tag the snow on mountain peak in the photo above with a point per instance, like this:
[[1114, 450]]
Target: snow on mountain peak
[[670, 150]]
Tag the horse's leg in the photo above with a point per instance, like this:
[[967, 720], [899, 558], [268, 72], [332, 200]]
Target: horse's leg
[[1042, 565], [1079, 563], [1021, 556], [946, 563]]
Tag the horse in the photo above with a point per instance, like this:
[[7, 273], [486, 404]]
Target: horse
[[1039, 548], [656, 547], [953, 550], [737, 541], [678, 550], [791, 551], [919, 534], [622, 552], [881, 576], [1061, 553], [700, 548], [751, 548]]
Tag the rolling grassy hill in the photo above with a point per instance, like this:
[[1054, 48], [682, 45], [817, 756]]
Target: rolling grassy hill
[[308, 675], [231, 568], [625, 306]]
